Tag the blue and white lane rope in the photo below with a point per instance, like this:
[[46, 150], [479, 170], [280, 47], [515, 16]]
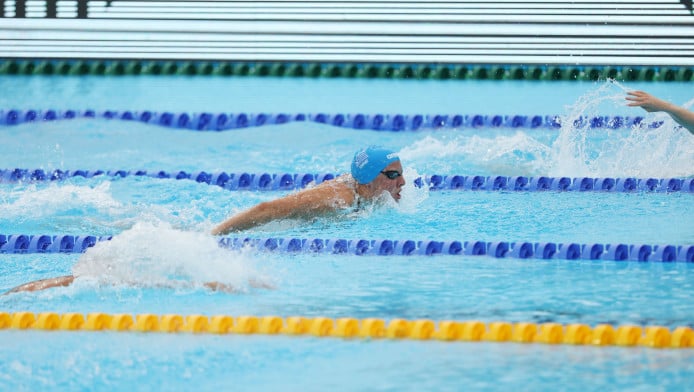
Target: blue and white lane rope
[[376, 122], [29, 244], [288, 181]]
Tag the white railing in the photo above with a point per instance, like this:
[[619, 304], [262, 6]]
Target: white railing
[[513, 32]]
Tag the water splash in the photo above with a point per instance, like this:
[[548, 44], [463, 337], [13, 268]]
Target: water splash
[[156, 255], [574, 150], [34, 201], [665, 151], [503, 154], [411, 196], [96, 209]]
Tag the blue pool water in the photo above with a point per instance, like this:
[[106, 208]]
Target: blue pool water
[[159, 231]]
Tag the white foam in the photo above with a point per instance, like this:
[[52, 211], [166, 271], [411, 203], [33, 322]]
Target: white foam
[[154, 255], [504, 154], [34, 202]]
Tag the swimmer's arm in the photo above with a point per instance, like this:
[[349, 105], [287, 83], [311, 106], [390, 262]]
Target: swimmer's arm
[[683, 116], [307, 203], [652, 104], [44, 284]]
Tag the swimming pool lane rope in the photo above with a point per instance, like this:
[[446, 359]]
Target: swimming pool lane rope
[[352, 328], [241, 181], [31, 244], [422, 71], [361, 121]]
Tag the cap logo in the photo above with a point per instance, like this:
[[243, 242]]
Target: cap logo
[[361, 159], [392, 155]]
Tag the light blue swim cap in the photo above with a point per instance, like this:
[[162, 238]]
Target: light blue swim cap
[[369, 162]]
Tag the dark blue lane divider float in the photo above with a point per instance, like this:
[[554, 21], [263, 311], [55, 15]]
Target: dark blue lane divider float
[[29, 244], [378, 122], [289, 181]]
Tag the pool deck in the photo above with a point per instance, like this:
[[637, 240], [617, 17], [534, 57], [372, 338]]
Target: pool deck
[[649, 33]]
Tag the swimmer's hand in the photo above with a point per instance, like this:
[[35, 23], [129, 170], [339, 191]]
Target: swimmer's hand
[[226, 288], [217, 286], [647, 101]]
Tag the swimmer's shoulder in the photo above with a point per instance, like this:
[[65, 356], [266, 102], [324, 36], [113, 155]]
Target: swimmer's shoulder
[[340, 190], [344, 179]]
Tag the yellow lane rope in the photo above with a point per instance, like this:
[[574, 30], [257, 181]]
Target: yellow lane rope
[[374, 328]]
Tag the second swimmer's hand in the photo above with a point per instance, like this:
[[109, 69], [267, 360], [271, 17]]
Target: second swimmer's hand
[[646, 101]]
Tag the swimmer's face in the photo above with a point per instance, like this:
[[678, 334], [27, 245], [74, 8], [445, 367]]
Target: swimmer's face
[[393, 185]]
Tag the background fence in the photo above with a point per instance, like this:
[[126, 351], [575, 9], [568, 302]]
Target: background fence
[[625, 33]]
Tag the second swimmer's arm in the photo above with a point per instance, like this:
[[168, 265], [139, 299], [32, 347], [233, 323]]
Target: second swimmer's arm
[[682, 116], [652, 104]]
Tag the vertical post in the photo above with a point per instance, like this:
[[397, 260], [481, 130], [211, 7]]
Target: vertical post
[[2, 8], [20, 9], [82, 6], [51, 9]]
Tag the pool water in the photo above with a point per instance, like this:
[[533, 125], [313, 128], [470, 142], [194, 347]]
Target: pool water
[[160, 254]]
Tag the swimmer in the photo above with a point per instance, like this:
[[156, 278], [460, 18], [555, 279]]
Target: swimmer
[[375, 170], [650, 103]]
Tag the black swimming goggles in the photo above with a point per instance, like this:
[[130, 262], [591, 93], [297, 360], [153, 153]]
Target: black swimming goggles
[[391, 174]]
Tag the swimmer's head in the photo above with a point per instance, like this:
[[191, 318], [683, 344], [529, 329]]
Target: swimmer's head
[[378, 170], [369, 162]]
